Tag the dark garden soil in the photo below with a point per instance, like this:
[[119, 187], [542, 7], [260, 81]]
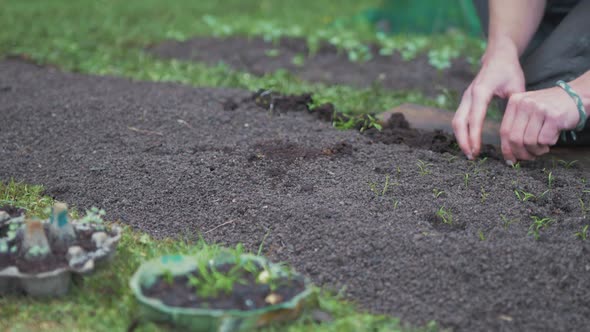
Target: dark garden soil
[[327, 65], [248, 294], [172, 161]]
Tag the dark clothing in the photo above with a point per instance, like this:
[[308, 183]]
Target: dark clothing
[[559, 50]]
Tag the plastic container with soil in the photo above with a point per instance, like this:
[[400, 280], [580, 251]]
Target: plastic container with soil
[[227, 293], [39, 257]]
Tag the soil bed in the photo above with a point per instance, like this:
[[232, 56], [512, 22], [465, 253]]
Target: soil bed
[[339, 206], [327, 65]]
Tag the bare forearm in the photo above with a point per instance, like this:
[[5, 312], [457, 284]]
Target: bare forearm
[[582, 86], [513, 23]]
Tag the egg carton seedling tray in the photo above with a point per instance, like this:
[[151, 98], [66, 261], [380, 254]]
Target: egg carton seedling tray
[[51, 275]]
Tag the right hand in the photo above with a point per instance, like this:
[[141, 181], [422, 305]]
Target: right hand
[[500, 75]]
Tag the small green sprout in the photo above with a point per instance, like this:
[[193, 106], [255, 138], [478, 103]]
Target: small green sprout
[[483, 194], [523, 195], [395, 204], [481, 236], [538, 225], [383, 191], [437, 193], [423, 167], [585, 209], [516, 166], [507, 222], [451, 158], [386, 186], [273, 52], [466, 180], [445, 215], [550, 179], [567, 164], [168, 277], [583, 234], [298, 60]]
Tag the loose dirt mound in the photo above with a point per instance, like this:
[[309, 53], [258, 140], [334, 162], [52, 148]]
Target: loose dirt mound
[[327, 65], [340, 206]]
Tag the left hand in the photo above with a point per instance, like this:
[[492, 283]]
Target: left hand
[[533, 122]]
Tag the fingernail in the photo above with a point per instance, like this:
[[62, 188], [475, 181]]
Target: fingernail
[[509, 163], [470, 156]]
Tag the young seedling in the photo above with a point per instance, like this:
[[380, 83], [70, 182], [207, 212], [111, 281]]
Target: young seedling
[[481, 236], [550, 180], [507, 222], [168, 277], [567, 164], [437, 193], [423, 167], [583, 234], [395, 204], [451, 158], [445, 215], [523, 195], [385, 186], [516, 166], [383, 191], [585, 209], [538, 225], [466, 179], [483, 194]]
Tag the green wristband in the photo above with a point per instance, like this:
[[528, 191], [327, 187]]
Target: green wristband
[[581, 110]]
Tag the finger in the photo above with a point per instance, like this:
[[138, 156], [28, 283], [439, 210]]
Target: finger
[[505, 128], [516, 138], [549, 134], [460, 124], [531, 135], [480, 100]]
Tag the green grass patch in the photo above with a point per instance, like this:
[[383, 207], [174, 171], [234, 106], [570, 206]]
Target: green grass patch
[[104, 302]]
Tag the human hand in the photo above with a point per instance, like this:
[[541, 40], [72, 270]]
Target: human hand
[[500, 75], [533, 121]]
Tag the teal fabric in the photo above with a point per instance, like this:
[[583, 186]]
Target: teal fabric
[[427, 16]]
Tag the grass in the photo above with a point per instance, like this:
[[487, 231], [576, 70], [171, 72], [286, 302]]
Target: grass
[[103, 302], [108, 37]]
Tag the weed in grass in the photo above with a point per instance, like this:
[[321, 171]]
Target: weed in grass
[[437, 193], [507, 222], [583, 233], [538, 225], [423, 167], [446, 215]]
